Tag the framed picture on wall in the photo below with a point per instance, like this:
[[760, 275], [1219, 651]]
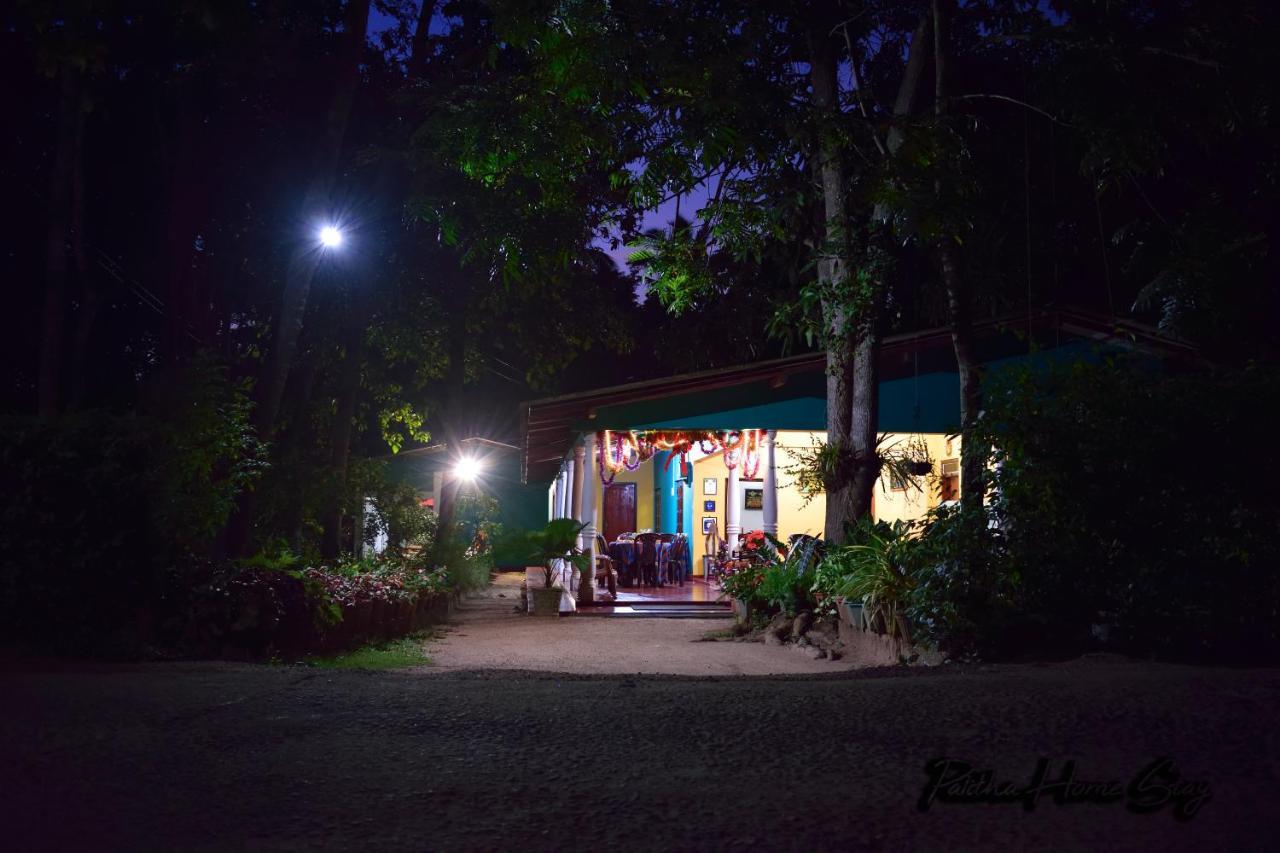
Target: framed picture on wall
[[708, 506], [708, 485], [708, 522], [753, 498]]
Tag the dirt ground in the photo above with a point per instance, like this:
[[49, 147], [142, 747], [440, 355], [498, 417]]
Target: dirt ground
[[489, 634], [219, 756], [233, 756]]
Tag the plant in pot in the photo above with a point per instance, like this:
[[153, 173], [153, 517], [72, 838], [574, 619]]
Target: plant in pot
[[828, 574], [902, 465], [557, 541], [739, 582], [880, 576]]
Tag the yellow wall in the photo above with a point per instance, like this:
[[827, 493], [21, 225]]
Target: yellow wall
[[711, 466], [643, 478], [795, 515], [911, 504]]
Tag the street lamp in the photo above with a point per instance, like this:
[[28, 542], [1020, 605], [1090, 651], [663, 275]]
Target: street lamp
[[466, 469], [330, 237]]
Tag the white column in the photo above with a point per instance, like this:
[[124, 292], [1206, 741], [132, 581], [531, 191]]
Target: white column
[[575, 506], [579, 470], [733, 507], [587, 515], [770, 483]]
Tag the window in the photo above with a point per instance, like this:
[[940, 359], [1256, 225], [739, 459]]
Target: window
[[949, 480]]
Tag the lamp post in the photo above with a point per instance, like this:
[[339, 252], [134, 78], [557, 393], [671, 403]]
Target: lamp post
[[330, 236]]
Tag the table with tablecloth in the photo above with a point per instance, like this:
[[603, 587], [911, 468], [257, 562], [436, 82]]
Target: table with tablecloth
[[625, 552]]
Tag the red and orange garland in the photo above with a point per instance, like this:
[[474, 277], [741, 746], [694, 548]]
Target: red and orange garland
[[627, 449]]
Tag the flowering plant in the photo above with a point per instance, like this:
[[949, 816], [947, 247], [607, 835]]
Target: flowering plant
[[740, 579], [757, 543]]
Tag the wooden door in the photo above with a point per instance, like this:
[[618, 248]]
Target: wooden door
[[619, 510]]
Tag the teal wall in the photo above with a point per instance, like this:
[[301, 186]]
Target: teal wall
[[520, 505], [664, 487], [926, 403]]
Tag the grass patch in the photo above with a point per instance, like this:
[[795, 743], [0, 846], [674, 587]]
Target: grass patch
[[392, 654], [723, 634]]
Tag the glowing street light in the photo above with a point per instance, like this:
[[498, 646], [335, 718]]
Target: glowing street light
[[330, 237], [467, 469]]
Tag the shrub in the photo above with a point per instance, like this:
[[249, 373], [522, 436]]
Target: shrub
[[102, 512], [785, 586], [1131, 507], [963, 586], [880, 573], [741, 579]]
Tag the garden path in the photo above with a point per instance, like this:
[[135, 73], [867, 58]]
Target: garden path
[[489, 633]]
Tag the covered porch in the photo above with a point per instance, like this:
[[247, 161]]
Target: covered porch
[[706, 455]]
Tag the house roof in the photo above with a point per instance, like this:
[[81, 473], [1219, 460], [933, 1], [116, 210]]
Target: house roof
[[443, 447], [918, 391]]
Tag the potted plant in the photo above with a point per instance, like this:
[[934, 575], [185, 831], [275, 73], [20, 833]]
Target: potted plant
[[557, 541], [880, 576], [739, 580], [920, 467]]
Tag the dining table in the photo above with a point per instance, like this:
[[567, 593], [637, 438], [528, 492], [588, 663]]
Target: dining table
[[625, 551]]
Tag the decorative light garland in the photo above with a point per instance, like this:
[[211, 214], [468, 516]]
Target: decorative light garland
[[620, 450]]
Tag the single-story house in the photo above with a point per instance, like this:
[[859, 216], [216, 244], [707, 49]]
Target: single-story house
[[711, 451]]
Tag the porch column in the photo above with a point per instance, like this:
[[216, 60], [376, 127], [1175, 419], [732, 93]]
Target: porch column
[[575, 502], [579, 483], [664, 481], [586, 458], [733, 507], [770, 484], [569, 488]]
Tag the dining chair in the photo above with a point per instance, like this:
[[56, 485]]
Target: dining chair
[[664, 557], [606, 566], [677, 558], [647, 559]]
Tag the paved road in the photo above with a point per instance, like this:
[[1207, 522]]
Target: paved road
[[216, 756]]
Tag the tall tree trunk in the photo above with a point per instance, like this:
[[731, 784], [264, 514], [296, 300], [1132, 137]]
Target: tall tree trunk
[[293, 441], [446, 512], [343, 421], [387, 189], [421, 33], [833, 270], [188, 203], [304, 260], [57, 244], [866, 388], [90, 295], [865, 418], [972, 454]]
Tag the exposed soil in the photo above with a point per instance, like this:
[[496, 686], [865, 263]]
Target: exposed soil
[[489, 633], [221, 756]]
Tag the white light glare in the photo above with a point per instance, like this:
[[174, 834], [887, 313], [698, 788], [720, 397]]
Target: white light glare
[[330, 237], [466, 468]]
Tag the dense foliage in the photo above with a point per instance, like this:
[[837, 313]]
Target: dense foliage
[[1140, 503], [203, 383]]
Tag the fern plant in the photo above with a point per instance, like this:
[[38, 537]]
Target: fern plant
[[879, 573]]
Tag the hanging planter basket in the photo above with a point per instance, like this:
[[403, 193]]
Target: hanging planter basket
[[920, 467]]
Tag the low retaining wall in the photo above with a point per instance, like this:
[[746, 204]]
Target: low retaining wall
[[872, 649]]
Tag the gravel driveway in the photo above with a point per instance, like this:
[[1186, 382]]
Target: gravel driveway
[[488, 633], [218, 756]]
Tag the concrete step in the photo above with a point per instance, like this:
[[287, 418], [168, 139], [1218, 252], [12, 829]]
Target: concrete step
[[665, 610]]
